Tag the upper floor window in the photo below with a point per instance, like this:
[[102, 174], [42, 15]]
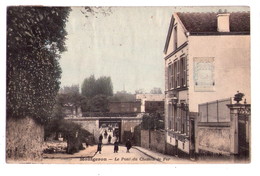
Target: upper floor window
[[170, 77], [183, 72], [175, 39], [177, 73]]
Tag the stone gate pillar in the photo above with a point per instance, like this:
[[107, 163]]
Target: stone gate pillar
[[234, 109]]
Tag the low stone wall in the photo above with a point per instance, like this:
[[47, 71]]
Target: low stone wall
[[170, 149], [145, 138], [24, 139], [214, 139], [91, 126], [157, 140]]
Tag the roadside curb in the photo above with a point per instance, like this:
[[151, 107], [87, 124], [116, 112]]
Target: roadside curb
[[137, 148]]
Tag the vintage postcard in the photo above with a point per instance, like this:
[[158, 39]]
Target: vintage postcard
[[128, 85]]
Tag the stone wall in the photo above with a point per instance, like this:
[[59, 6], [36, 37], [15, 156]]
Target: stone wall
[[145, 138], [157, 140], [127, 128], [170, 149], [91, 126], [24, 139], [214, 139]]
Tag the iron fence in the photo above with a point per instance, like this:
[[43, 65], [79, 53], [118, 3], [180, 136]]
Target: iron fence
[[215, 111]]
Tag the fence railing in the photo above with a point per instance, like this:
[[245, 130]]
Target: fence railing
[[215, 111]]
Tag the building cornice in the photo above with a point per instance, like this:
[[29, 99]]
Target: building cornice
[[218, 33], [169, 35], [177, 89]]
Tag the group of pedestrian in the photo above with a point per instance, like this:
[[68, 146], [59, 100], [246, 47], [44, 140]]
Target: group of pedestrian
[[108, 139], [116, 146]]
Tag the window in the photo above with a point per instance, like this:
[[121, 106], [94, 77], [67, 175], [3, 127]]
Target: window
[[169, 116], [175, 39], [175, 74], [172, 76], [169, 77], [175, 120], [183, 71], [178, 73]]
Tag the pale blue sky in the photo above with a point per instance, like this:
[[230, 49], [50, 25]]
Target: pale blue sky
[[127, 45]]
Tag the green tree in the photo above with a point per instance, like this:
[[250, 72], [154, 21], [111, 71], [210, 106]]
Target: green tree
[[99, 103], [68, 100], [35, 39], [73, 133], [88, 86], [104, 86], [101, 86], [152, 121], [69, 89], [122, 96]]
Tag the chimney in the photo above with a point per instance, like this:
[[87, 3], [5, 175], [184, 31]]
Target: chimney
[[223, 22]]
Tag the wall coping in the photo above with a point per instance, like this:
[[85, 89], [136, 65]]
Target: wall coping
[[101, 118]]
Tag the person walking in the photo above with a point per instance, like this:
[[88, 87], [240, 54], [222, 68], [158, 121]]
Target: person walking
[[105, 134], [109, 139], [99, 147], [128, 145], [116, 146], [100, 137]]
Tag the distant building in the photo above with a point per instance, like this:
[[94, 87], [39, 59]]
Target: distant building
[[154, 106], [207, 57], [124, 107], [151, 102]]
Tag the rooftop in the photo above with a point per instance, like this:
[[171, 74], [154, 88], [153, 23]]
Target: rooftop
[[207, 22]]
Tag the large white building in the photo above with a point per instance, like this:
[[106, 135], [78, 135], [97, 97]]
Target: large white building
[[207, 57]]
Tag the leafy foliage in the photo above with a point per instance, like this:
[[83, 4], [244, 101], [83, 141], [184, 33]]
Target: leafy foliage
[[69, 89], [99, 103], [101, 86], [122, 96], [68, 97], [152, 121], [35, 39], [67, 128], [88, 87]]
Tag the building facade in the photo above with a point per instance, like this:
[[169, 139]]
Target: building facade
[[151, 102], [207, 57]]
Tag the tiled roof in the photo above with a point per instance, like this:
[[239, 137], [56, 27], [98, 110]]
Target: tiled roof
[[207, 22]]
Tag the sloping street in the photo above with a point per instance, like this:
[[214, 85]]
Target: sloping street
[[137, 155]]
